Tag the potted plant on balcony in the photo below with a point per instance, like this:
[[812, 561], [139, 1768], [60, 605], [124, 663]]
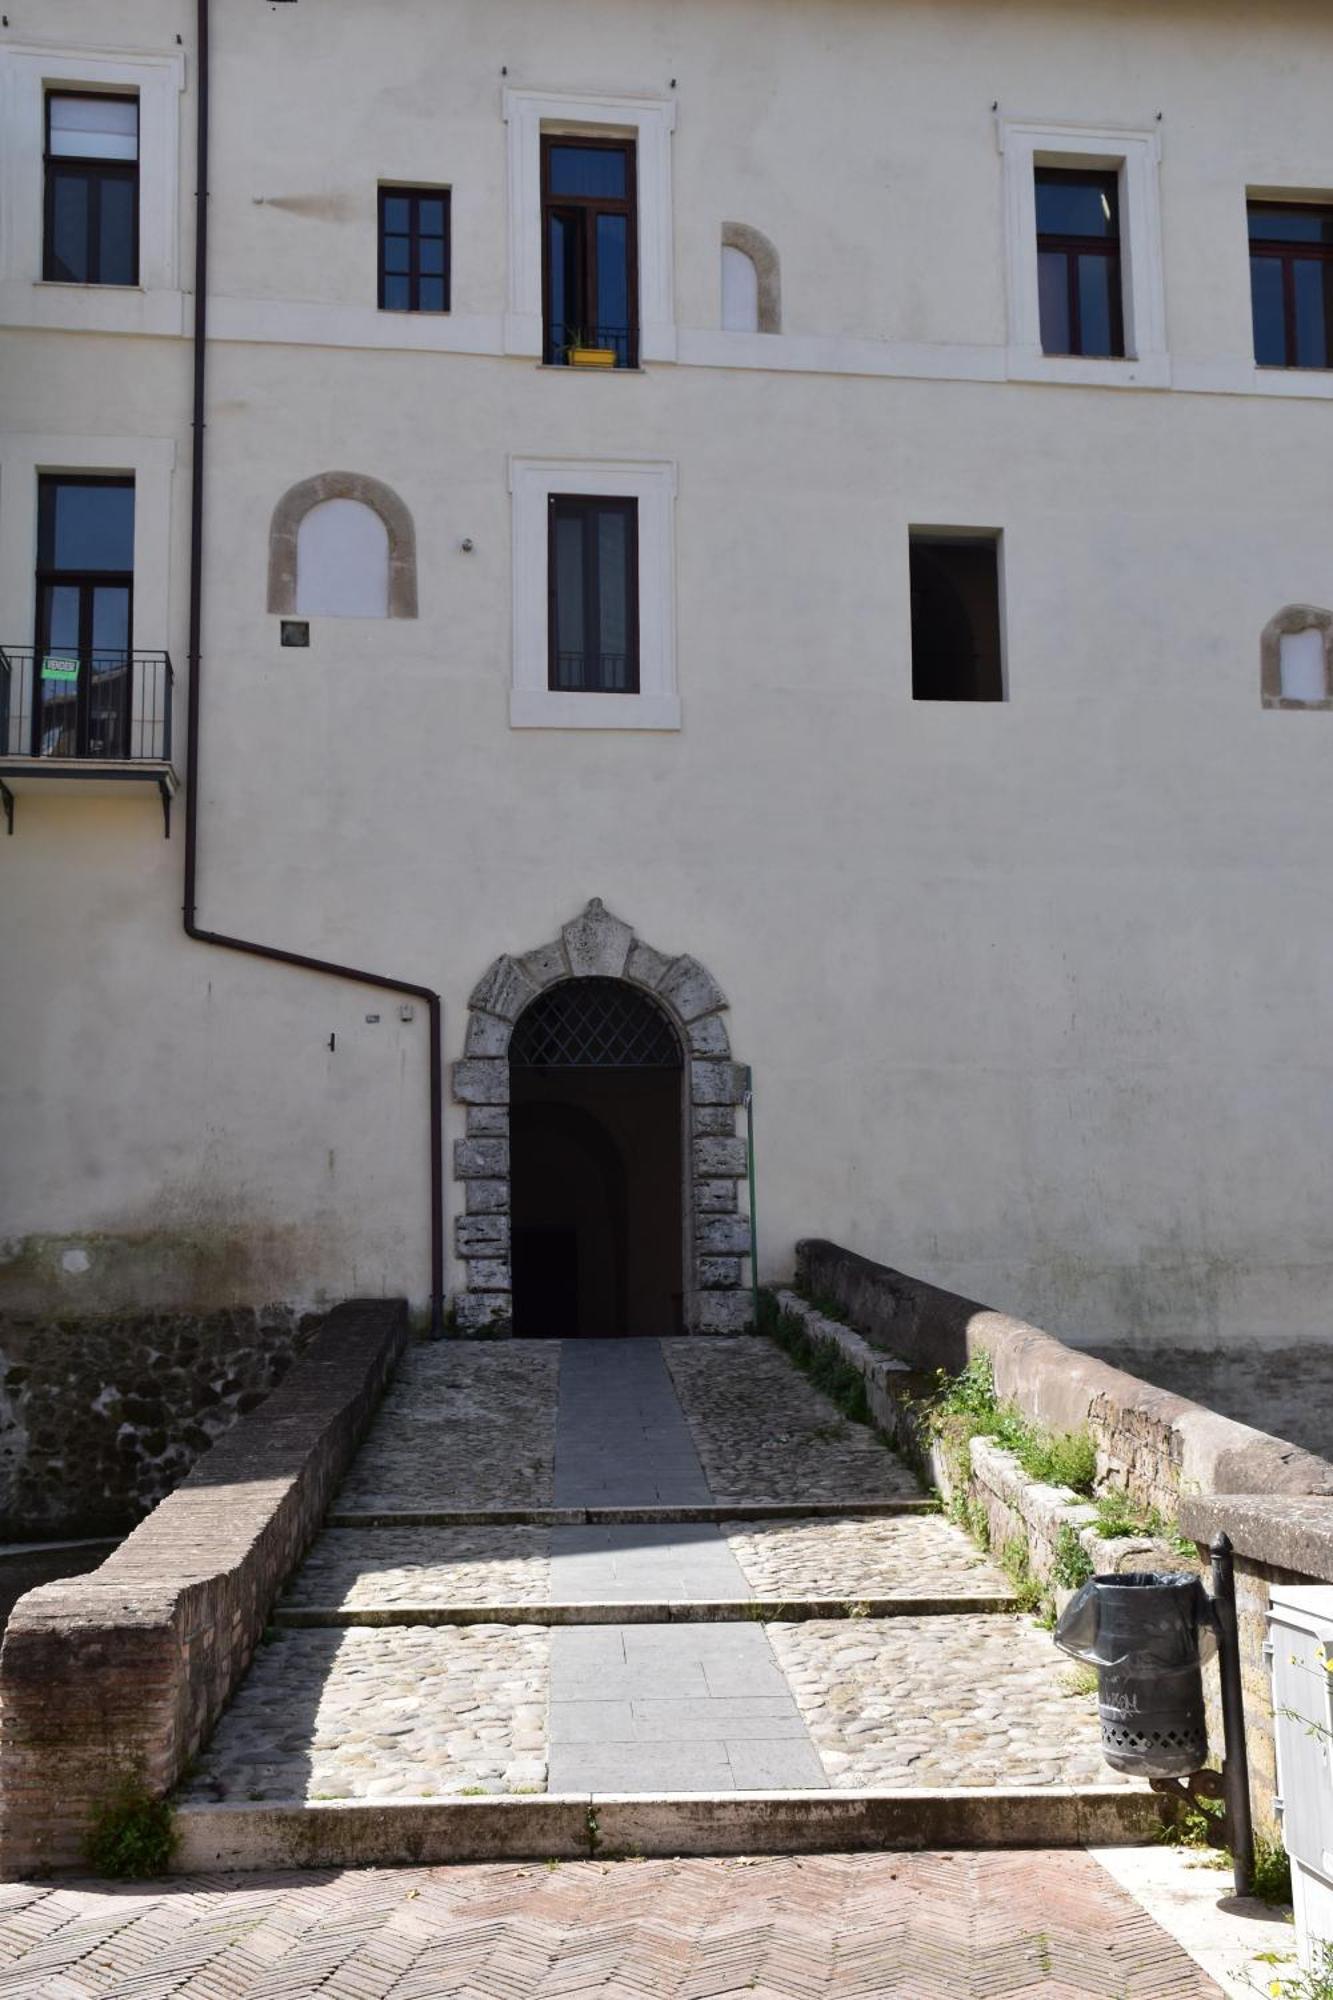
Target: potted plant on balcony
[[585, 351]]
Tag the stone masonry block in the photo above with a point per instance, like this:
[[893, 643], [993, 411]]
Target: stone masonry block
[[717, 1082], [691, 990], [505, 990], [483, 1197], [547, 964], [723, 1235], [487, 1035], [714, 1121], [708, 1036], [724, 1312], [482, 1080], [481, 1235], [480, 1159], [475, 1312], [713, 1157], [488, 1274], [720, 1273], [488, 1121], [710, 1197], [597, 943], [646, 966]]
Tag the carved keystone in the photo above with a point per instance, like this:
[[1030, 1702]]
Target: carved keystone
[[597, 943]]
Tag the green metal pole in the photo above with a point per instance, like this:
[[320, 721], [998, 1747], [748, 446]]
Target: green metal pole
[[749, 1162]]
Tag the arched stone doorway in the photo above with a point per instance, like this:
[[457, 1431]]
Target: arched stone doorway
[[595, 1135], [598, 951]]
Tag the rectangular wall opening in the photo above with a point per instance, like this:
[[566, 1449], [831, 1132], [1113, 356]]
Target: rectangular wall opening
[[957, 644]]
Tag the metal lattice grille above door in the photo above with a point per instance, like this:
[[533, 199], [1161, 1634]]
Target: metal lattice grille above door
[[594, 1024]]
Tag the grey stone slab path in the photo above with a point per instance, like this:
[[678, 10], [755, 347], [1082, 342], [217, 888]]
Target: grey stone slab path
[[674, 1708], [651, 1563], [621, 1435]]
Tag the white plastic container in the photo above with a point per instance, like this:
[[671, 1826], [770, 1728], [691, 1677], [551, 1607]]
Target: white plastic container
[[1300, 1632]]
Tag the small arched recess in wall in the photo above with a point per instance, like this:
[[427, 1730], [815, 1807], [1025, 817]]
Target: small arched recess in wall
[[1296, 658], [750, 304], [335, 527]]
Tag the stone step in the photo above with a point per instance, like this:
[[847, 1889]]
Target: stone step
[[583, 1825], [344, 1516], [680, 1610]]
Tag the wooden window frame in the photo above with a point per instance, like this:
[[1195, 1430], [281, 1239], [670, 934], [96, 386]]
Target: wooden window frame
[[587, 208], [583, 505], [83, 580], [1072, 247], [1286, 252], [54, 165], [414, 273]]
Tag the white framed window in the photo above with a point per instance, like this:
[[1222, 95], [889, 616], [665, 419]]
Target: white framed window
[[537, 701], [30, 75], [1133, 156], [532, 115]]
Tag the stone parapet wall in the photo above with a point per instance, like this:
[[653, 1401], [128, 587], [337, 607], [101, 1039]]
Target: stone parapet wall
[[121, 1675], [1154, 1445], [100, 1417]]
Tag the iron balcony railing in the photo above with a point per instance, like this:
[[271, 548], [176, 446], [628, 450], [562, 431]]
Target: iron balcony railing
[[565, 337], [104, 703], [596, 673]]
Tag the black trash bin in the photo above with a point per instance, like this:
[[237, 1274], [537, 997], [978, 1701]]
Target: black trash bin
[[1147, 1633]]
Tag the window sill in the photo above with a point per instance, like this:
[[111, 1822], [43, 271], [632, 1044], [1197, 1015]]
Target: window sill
[[58, 305], [568, 368], [547, 708], [1288, 702], [1083, 371]]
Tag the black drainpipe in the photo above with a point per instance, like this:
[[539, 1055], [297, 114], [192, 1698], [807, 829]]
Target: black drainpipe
[[192, 929]]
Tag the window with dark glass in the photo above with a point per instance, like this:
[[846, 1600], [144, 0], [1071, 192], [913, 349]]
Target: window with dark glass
[[414, 249], [91, 234], [593, 581], [590, 258], [85, 589], [956, 648], [1291, 284], [1078, 262]]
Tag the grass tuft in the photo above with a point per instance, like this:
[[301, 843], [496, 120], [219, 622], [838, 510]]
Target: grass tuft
[[133, 1835]]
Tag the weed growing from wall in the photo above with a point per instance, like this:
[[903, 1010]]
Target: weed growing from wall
[[133, 1835]]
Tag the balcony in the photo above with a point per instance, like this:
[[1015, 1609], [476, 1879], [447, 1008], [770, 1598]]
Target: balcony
[[96, 719]]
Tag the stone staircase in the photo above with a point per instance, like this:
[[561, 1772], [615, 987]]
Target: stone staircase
[[641, 1597]]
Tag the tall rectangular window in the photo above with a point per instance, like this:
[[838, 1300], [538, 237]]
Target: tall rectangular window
[[414, 249], [957, 653], [85, 589], [593, 593], [1291, 284], [1078, 261], [590, 255], [91, 225]]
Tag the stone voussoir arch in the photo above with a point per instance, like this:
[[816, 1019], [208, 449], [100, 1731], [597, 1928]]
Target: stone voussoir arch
[[598, 945], [297, 502], [753, 243], [1293, 618]]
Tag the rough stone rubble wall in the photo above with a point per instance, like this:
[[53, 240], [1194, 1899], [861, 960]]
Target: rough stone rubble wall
[[125, 1671], [101, 1417]]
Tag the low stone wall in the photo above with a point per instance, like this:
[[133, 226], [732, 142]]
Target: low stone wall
[[1152, 1444], [101, 1417], [1017, 1509], [1276, 1540], [122, 1674]]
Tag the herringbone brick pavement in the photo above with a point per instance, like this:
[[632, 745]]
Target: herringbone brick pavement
[[1050, 1926]]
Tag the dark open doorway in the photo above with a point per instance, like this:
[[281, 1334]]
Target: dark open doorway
[[596, 1165]]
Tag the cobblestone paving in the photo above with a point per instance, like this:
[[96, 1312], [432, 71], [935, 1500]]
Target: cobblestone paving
[[827, 1927], [764, 1433], [914, 1556], [467, 1423], [358, 1569], [972, 1699], [399, 1712]]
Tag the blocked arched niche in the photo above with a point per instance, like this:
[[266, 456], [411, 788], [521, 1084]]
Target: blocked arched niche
[[752, 243], [299, 500], [598, 945], [1315, 671]]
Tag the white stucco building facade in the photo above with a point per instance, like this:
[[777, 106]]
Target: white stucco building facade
[[1032, 990]]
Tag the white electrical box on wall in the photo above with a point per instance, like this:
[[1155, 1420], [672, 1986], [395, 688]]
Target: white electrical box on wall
[[1300, 1630]]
